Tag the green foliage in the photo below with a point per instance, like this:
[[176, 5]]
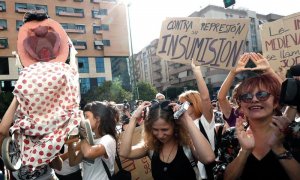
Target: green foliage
[[109, 90], [146, 91], [5, 100]]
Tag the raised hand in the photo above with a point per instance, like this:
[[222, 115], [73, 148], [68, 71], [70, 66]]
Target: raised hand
[[194, 67], [261, 62], [242, 63], [279, 124], [138, 112], [245, 137]]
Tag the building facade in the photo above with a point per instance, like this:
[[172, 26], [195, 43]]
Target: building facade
[[180, 75], [97, 28]]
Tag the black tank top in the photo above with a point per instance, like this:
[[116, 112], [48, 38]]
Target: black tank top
[[267, 168], [180, 168]]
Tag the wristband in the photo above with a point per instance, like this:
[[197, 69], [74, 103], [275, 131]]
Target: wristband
[[285, 155]]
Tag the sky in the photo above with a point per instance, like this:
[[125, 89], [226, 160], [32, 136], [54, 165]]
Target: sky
[[146, 16]]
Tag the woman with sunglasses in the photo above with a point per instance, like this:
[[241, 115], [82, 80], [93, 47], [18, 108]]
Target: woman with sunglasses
[[166, 141], [230, 110], [258, 148]]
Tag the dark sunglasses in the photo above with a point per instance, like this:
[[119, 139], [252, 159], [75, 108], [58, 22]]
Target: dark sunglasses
[[261, 96], [163, 105]]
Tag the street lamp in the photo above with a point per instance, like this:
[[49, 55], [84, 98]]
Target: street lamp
[[131, 60]]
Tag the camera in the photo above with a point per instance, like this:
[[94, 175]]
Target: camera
[[290, 88], [126, 105], [182, 109]]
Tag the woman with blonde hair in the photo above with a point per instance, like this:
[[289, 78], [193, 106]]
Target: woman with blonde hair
[[172, 144]]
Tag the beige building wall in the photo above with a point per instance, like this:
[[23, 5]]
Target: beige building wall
[[117, 34]]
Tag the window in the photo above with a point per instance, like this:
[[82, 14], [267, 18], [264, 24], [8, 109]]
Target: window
[[23, 7], [68, 11], [3, 43], [98, 13], [85, 85], [4, 67], [19, 23], [77, 28], [100, 80], [104, 27], [81, 45], [100, 65], [3, 24], [106, 42], [2, 6], [98, 45], [83, 64], [96, 29]]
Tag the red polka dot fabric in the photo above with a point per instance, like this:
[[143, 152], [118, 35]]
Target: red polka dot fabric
[[48, 94]]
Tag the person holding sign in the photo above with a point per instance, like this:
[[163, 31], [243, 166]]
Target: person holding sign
[[172, 144], [259, 147]]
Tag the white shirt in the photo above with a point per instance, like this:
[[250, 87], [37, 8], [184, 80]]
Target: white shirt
[[210, 131], [95, 170], [66, 168]]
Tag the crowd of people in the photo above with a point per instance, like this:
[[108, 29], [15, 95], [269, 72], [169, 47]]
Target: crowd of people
[[250, 135]]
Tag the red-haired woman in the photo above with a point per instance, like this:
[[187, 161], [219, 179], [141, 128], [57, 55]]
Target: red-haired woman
[[259, 147]]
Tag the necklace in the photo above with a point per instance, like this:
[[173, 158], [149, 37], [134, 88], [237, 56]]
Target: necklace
[[166, 168]]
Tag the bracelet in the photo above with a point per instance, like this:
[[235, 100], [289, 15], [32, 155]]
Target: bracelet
[[284, 155]]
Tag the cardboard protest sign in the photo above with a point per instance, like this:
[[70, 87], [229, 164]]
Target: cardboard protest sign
[[211, 42], [280, 42], [139, 168]]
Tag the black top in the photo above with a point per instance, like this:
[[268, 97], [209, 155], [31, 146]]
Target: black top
[[180, 168], [267, 168]]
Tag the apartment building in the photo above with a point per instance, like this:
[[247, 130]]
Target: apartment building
[[97, 28], [165, 74]]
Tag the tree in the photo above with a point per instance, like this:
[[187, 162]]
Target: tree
[[146, 91], [109, 90]]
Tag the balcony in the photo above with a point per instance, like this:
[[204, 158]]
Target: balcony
[[78, 31], [156, 68], [3, 27], [96, 1], [97, 16], [178, 70], [24, 10], [98, 32], [71, 14], [99, 47], [80, 47], [3, 46], [155, 59]]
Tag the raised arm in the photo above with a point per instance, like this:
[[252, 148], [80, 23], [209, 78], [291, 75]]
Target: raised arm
[[126, 148], [74, 153], [223, 102], [202, 149], [207, 110]]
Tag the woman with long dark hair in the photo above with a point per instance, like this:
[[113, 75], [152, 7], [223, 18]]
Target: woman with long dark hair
[[103, 117]]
